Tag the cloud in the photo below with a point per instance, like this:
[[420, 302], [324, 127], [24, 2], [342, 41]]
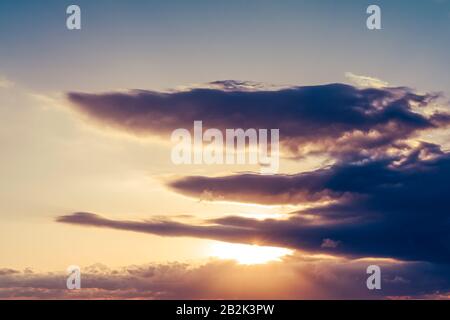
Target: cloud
[[298, 277], [328, 243], [233, 85], [332, 118], [161, 227], [7, 271], [364, 81], [384, 196], [373, 209], [332, 183]]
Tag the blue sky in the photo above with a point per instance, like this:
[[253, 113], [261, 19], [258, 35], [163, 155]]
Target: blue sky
[[160, 44]]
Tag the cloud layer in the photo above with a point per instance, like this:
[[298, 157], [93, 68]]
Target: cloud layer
[[378, 209], [305, 277], [385, 195], [395, 207]]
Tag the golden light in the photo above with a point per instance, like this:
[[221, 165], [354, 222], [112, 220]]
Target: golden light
[[247, 254]]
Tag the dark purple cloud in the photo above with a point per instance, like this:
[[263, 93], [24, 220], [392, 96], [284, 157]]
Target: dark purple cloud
[[379, 210], [344, 179], [336, 118], [162, 227], [392, 207], [369, 203]]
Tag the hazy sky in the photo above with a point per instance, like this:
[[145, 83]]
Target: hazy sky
[[56, 161], [162, 44]]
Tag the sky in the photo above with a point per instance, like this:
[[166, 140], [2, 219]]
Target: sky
[[87, 176]]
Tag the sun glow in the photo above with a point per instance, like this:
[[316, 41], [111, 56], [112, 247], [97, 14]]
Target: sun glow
[[247, 254]]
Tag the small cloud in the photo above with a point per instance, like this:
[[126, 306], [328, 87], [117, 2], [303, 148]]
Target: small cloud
[[233, 85], [398, 280], [5, 83], [7, 271], [328, 243], [365, 81]]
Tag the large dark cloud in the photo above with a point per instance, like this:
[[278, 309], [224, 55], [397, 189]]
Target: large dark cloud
[[383, 196], [336, 118], [396, 207], [379, 209], [330, 183]]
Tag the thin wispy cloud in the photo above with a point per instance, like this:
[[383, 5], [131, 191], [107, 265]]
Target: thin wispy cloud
[[365, 81]]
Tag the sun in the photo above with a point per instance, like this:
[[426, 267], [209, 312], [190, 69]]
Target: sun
[[247, 254]]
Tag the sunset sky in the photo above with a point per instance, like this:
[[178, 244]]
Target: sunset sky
[[86, 172]]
